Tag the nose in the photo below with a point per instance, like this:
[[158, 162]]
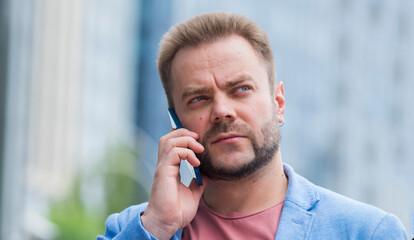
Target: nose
[[222, 110]]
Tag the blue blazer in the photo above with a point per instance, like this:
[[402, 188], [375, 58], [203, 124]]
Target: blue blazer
[[309, 212]]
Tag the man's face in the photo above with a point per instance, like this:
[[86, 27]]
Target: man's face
[[221, 91]]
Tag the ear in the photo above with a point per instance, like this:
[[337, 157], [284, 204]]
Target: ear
[[280, 101]]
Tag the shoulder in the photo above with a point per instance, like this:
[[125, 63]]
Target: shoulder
[[332, 215], [344, 205], [338, 207], [352, 218]]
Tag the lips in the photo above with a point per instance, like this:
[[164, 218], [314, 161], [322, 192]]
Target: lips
[[226, 137]]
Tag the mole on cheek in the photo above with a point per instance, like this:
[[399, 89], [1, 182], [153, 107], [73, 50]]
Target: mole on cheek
[[201, 118]]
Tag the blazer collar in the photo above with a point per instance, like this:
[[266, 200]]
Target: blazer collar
[[300, 191], [296, 219]]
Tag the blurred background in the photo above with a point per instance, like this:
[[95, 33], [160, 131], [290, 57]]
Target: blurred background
[[82, 106]]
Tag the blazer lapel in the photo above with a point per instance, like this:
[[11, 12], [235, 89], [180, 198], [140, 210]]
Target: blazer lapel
[[296, 221]]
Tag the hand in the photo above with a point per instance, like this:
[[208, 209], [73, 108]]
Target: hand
[[172, 205]]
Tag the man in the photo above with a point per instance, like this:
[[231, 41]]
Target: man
[[218, 73]]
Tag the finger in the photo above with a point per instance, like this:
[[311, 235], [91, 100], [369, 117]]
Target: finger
[[198, 190], [184, 142], [177, 133], [177, 154], [183, 132]]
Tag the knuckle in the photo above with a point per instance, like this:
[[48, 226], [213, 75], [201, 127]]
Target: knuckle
[[157, 172], [163, 139], [170, 143], [176, 153]]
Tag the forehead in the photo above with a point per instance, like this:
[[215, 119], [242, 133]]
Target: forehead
[[220, 60]]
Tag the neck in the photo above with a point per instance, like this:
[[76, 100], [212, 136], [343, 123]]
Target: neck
[[259, 191]]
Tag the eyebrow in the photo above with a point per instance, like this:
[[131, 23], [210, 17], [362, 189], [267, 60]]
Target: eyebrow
[[205, 90], [239, 79], [194, 91]]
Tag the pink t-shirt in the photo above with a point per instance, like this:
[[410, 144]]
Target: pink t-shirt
[[208, 224]]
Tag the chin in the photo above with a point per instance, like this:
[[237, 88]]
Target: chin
[[234, 160]]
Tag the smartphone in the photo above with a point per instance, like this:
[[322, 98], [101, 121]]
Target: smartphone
[[195, 171]]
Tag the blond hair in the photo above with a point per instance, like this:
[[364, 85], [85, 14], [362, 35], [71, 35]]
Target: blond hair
[[207, 28]]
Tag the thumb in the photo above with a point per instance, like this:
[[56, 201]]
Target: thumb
[[198, 190]]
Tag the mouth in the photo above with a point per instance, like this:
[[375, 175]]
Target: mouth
[[227, 138]]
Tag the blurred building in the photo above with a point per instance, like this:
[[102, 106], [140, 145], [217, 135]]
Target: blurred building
[[70, 80], [78, 77]]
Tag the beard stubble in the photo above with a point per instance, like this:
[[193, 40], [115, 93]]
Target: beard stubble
[[264, 151]]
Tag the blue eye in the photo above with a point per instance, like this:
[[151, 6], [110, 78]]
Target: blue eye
[[197, 99], [243, 89]]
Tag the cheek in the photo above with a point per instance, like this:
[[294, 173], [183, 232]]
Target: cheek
[[196, 124], [255, 113]]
